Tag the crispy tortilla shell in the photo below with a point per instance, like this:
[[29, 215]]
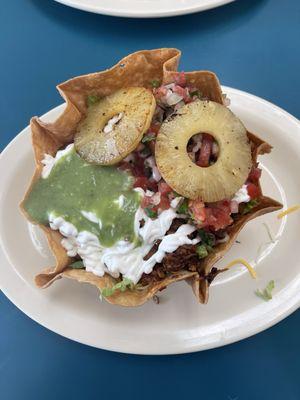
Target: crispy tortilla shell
[[137, 69]]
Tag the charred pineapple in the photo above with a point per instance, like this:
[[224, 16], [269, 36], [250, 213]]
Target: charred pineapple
[[115, 125], [218, 181]]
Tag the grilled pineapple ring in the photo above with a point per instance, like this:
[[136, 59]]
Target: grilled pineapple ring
[[218, 181], [102, 142]]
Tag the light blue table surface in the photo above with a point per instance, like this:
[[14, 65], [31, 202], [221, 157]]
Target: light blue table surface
[[252, 45]]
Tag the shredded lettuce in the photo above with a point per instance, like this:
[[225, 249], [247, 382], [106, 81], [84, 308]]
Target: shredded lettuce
[[266, 294], [122, 286], [202, 251], [148, 138], [183, 207], [248, 206], [77, 264], [207, 238], [151, 213]]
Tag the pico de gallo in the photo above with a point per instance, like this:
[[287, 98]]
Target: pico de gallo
[[202, 149]]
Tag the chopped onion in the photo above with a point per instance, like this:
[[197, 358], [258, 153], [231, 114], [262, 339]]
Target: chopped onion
[[155, 199], [172, 98], [198, 143], [215, 149], [234, 207], [155, 172]]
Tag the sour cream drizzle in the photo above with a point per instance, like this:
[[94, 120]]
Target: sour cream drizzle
[[124, 257], [241, 195], [49, 161]]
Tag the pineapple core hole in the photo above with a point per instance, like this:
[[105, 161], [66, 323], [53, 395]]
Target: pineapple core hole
[[203, 149]]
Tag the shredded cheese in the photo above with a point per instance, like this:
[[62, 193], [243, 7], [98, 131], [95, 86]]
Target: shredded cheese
[[251, 270], [288, 211]]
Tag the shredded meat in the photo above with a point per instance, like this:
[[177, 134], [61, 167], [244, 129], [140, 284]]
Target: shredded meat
[[177, 222], [213, 273], [185, 257]]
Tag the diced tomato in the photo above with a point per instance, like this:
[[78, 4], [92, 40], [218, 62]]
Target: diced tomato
[[137, 167], [152, 146], [164, 203], [164, 188], [215, 215], [234, 207], [182, 92], [125, 166], [197, 210], [205, 151], [154, 128], [146, 201], [253, 190], [140, 147], [180, 79], [160, 92], [144, 183], [149, 201], [254, 175], [141, 182], [218, 217]]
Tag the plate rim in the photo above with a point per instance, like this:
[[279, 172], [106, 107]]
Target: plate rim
[[283, 310], [140, 14]]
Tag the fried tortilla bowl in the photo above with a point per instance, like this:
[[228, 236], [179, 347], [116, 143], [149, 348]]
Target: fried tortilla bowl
[[137, 69]]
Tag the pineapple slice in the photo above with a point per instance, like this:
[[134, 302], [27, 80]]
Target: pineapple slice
[[218, 181], [115, 125]]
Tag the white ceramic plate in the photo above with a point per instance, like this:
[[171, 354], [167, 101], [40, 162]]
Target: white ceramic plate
[[144, 8], [178, 324]]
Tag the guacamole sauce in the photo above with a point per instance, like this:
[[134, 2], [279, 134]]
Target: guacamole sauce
[[75, 189]]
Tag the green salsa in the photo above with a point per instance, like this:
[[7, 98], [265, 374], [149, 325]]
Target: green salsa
[[74, 186]]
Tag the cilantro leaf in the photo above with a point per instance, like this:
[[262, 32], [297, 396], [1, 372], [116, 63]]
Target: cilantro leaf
[[122, 286], [148, 138], [151, 213], [208, 241], [184, 207], [266, 294], [77, 264], [196, 93], [248, 206], [155, 83], [92, 99], [207, 238], [202, 251]]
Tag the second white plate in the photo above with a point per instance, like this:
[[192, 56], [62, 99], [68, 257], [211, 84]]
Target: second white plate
[[144, 8], [178, 324]]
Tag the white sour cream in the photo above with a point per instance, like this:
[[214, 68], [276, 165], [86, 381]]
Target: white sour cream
[[150, 162], [123, 257], [49, 161], [241, 195]]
